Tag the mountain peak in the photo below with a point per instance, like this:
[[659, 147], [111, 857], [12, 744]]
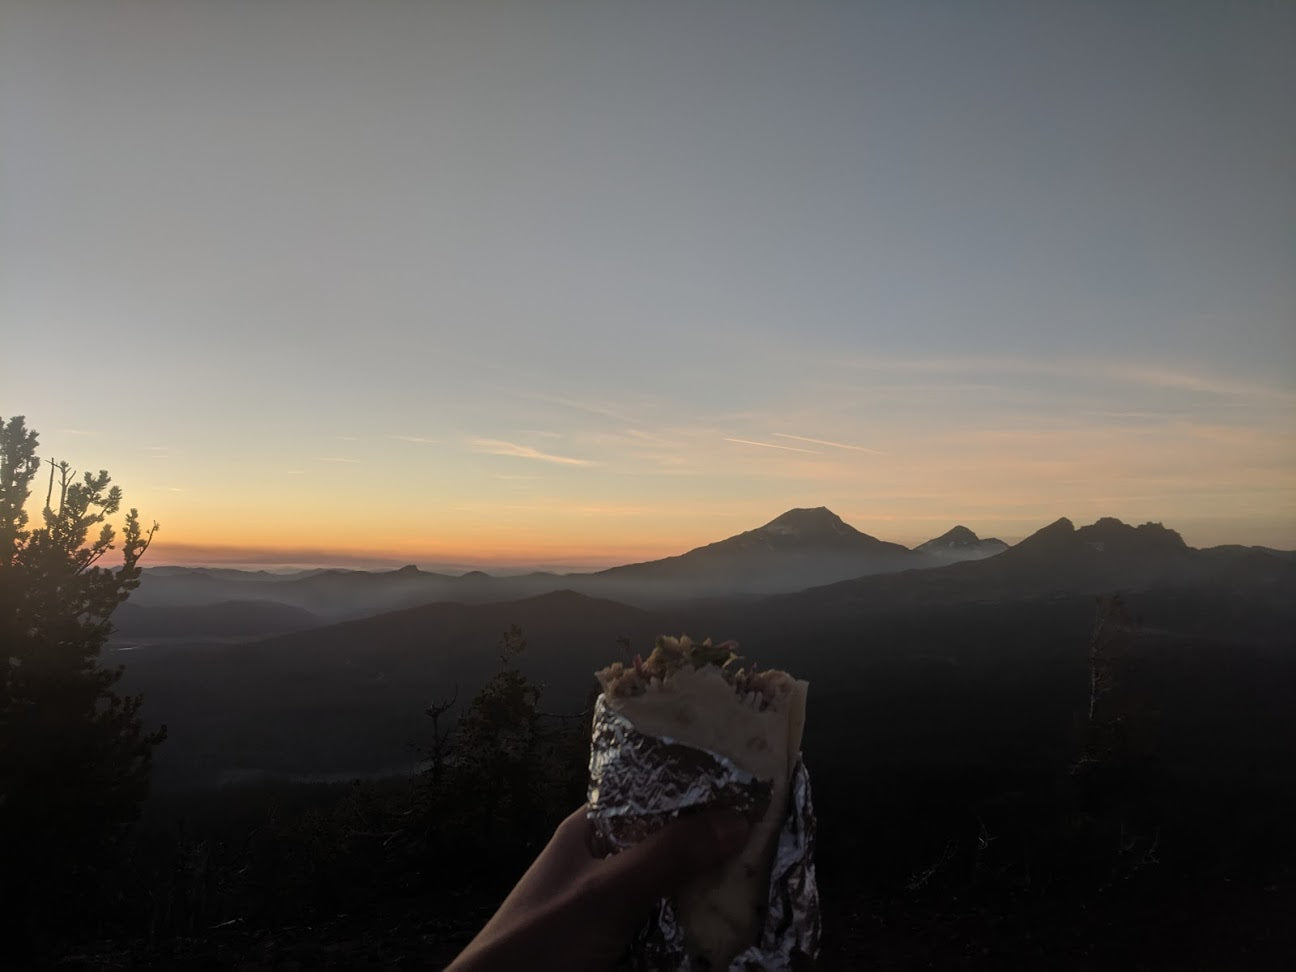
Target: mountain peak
[[1107, 536], [797, 549], [809, 522], [960, 543], [960, 535], [1110, 533], [1056, 538]]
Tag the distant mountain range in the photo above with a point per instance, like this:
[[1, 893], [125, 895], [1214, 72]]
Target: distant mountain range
[[799, 549], [1106, 557], [361, 685]]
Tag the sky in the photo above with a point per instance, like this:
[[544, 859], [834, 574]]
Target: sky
[[586, 283]]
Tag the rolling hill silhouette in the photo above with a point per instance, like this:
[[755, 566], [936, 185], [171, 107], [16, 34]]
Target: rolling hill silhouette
[[327, 701], [224, 619]]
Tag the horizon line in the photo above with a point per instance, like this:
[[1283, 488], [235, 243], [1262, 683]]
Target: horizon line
[[576, 560]]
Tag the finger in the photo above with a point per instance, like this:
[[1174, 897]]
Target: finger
[[683, 849]]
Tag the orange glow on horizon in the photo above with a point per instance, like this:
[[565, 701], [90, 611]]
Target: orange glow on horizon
[[588, 549], [200, 554]]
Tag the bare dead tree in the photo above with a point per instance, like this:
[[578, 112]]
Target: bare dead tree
[[1109, 648], [918, 880], [1110, 642], [440, 737]]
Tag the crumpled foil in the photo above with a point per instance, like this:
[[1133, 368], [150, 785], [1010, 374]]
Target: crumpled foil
[[640, 782]]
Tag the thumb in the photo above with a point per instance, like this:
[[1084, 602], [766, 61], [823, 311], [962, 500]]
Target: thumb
[[683, 849]]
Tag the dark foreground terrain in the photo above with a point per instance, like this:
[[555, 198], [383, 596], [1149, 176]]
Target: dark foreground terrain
[[1138, 927], [1011, 768]]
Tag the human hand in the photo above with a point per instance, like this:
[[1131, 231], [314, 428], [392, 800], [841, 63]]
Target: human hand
[[577, 910]]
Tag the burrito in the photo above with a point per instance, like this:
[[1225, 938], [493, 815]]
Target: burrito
[[698, 696]]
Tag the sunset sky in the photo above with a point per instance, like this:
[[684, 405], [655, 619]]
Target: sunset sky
[[583, 283]]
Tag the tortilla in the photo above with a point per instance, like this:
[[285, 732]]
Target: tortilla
[[692, 695]]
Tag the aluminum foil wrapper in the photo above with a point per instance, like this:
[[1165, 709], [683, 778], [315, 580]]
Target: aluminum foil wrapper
[[640, 782]]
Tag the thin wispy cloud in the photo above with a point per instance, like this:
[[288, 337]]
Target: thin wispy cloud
[[971, 364], [773, 445], [1154, 376], [632, 442], [604, 409], [1130, 414], [644, 436], [1209, 384], [827, 442], [559, 508], [498, 447], [419, 439], [489, 509], [339, 459]]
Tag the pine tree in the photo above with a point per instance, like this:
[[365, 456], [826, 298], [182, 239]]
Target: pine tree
[[497, 782], [74, 754]]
